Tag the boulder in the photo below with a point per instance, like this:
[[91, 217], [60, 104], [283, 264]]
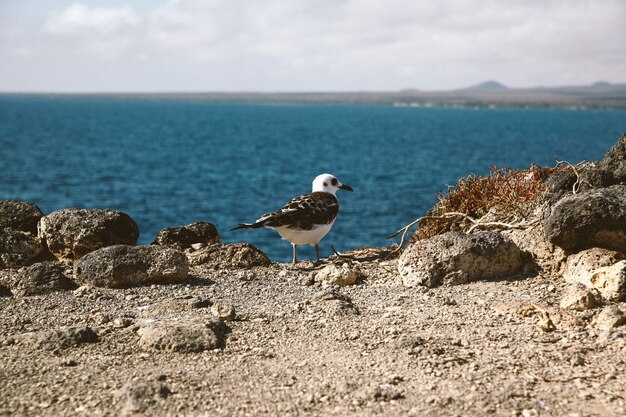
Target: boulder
[[232, 256], [561, 183], [43, 278], [19, 249], [73, 233], [590, 218], [19, 215], [143, 396], [183, 237], [184, 336], [336, 275], [614, 162], [122, 266], [455, 258]]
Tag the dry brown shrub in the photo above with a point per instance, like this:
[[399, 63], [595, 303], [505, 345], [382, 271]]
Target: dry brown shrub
[[506, 194]]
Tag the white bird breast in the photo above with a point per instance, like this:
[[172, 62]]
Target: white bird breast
[[303, 237]]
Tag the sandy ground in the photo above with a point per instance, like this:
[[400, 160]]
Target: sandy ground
[[297, 347]]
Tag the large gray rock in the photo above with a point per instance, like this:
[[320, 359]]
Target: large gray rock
[[185, 336], [183, 237], [43, 278], [18, 248], [561, 183], [232, 256], [614, 162], [456, 258], [73, 233], [122, 266], [19, 215], [590, 218]]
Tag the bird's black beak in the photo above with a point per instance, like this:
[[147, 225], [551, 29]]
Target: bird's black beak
[[346, 187]]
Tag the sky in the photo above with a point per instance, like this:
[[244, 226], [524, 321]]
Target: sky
[[307, 45]]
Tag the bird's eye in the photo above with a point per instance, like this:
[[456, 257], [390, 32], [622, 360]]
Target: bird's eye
[[325, 184], [334, 181]]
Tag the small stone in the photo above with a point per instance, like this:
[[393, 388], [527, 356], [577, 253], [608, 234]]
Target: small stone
[[224, 312], [610, 317], [336, 275], [580, 298], [185, 336], [122, 322], [100, 318]]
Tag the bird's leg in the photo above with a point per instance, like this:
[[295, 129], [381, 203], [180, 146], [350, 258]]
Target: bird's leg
[[295, 255], [317, 251]]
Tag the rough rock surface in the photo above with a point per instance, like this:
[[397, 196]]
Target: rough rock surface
[[19, 215], [456, 258], [143, 396], [614, 162], [127, 266], [548, 257], [231, 256], [183, 237], [18, 248], [337, 275], [73, 233], [611, 281], [62, 338], [590, 218], [561, 183], [43, 278], [184, 336], [610, 317], [580, 266], [580, 298]]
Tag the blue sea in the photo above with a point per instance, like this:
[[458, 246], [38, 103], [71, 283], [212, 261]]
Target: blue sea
[[169, 163]]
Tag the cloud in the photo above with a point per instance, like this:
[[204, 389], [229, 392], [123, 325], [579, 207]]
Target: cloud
[[331, 44], [80, 19]]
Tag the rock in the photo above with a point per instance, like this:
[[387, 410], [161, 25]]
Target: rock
[[122, 266], [561, 183], [19, 215], [455, 258], [232, 256], [334, 303], [548, 257], [43, 278], [580, 266], [336, 275], [580, 298], [141, 396], [614, 162], [184, 336], [63, 338], [184, 237], [72, 233], [610, 317], [18, 248], [224, 312], [590, 218], [611, 281]]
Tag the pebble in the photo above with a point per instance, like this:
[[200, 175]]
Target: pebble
[[224, 312]]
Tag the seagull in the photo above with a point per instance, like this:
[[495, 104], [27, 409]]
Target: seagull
[[306, 219]]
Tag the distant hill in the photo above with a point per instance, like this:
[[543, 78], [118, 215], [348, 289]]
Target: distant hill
[[601, 94], [488, 86]]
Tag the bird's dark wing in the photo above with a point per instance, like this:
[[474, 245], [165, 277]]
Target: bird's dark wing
[[304, 212]]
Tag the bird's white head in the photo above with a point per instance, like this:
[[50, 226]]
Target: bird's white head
[[328, 183]]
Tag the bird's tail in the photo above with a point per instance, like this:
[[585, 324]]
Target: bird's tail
[[256, 225]]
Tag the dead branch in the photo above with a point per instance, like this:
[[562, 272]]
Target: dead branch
[[577, 184]]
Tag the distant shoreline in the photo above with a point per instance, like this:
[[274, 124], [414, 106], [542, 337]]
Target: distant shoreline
[[596, 96]]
